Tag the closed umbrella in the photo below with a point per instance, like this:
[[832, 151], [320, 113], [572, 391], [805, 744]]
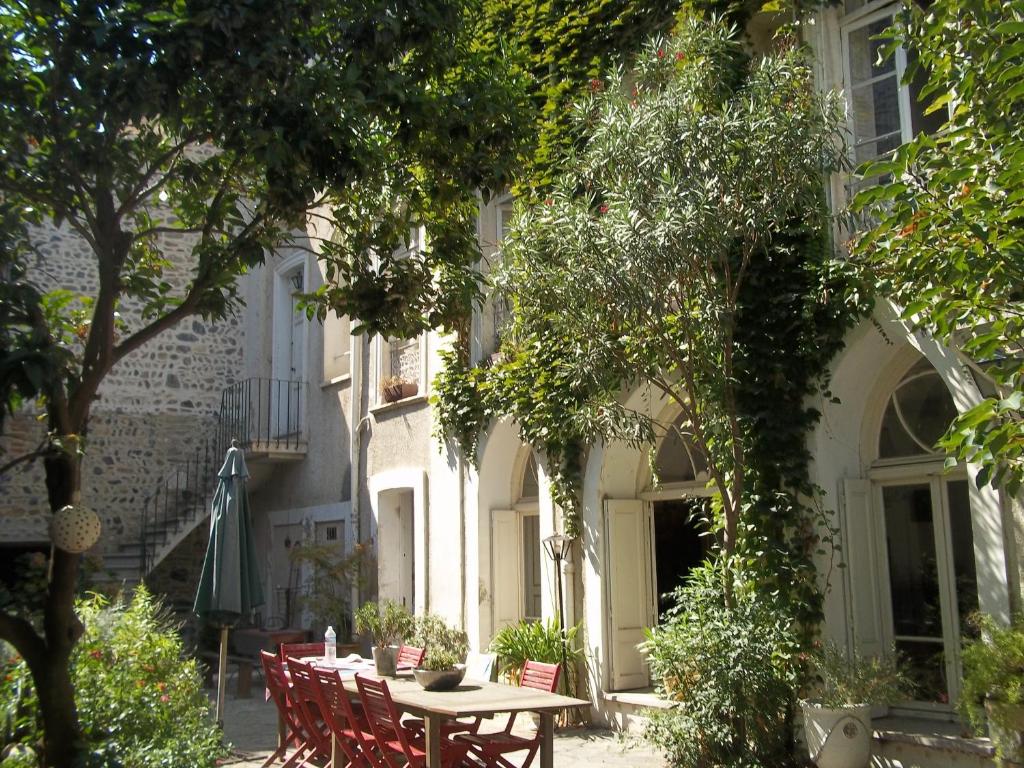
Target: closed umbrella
[[229, 586]]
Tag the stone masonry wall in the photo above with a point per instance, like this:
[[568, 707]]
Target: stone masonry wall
[[154, 408]]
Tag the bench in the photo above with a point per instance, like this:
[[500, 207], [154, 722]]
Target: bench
[[245, 665]]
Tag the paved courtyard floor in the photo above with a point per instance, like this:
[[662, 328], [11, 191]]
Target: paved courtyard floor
[[250, 725]]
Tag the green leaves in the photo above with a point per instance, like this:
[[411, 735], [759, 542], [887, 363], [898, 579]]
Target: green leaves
[[140, 699], [945, 241]]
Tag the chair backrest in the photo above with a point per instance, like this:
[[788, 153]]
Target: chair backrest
[[481, 666], [304, 698], [410, 656], [541, 676], [277, 688], [299, 650], [336, 708], [384, 719]]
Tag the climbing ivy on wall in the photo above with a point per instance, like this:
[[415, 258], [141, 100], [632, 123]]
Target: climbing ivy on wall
[[560, 46], [584, 331]]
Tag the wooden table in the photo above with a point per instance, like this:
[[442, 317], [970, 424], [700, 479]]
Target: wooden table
[[471, 699]]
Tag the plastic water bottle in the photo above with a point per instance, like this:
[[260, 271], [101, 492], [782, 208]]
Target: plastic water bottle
[[330, 644]]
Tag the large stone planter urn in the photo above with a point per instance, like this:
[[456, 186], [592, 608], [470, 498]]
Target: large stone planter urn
[[838, 738]]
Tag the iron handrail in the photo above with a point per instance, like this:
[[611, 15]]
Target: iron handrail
[[258, 412]]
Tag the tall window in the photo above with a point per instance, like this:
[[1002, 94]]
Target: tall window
[[402, 358], [501, 311], [928, 543], [883, 112], [337, 347], [529, 522]]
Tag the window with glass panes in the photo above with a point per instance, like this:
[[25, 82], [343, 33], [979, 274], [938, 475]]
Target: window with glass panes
[[883, 111]]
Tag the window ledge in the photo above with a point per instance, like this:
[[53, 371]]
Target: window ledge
[[930, 734], [417, 399], [345, 378]]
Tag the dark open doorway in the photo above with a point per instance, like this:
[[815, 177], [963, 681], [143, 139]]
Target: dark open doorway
[[678, 546]]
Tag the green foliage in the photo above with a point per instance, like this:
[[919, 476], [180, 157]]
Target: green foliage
[[689, 278], [731, 673], [841, 680], [387, 622], [140, 700], [444, 646], [560, 47], [993, 669], [516, 644], [327, 588], [945, 239]]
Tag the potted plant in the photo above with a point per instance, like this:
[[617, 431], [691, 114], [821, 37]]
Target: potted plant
[[327, 579], [394, 388], [445, 649], [837, 719], [387, 623], [993, 688]]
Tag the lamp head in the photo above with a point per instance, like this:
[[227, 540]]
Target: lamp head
[[557, 546]]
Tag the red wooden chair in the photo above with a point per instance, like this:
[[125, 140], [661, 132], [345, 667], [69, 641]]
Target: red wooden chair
[[349, 727], [303, 695], [399, 746], [293, 732], [300, 650], [491, 748], [409, 657]]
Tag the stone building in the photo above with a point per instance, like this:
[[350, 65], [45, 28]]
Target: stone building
[[156, 409], [337, 461]]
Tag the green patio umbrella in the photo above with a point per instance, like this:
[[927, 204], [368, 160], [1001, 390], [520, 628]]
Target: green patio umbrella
[[229, 587]]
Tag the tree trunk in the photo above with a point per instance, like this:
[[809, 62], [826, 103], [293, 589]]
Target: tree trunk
[[61, 732], [61, 729]]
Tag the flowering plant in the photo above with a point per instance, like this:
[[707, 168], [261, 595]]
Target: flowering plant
[[140, 701]]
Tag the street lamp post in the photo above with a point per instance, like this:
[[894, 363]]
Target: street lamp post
[[557, 547]]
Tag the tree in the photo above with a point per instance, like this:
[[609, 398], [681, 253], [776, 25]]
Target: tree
[[701, 169], [945, 241], [235, 125]]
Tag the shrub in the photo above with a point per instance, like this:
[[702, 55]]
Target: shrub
[[386, 622], [993, 669], [140, 702], [444, 646], [731, 672], [516, 644], [842, 680]]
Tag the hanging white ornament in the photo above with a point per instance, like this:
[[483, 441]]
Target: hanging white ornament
[[75, 528]]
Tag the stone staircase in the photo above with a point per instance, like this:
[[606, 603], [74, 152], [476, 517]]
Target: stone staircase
[[264, 416]]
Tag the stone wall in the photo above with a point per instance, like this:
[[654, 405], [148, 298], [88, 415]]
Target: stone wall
[[177, 575], [154, 408]]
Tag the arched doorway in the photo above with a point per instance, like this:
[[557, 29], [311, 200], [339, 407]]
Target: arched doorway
[[652, 540], [924, 541], [677, 496]]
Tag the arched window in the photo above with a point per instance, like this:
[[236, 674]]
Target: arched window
[[925, 534], [678, 460], [919, 411]]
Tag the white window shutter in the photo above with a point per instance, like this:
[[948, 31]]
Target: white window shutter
[[861, 542], [506, 574], [628, 560]]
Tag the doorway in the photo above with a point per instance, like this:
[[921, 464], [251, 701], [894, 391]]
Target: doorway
[[679, 546], [397, 557]]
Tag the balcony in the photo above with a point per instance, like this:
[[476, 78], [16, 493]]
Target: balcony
[[267, 417]]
